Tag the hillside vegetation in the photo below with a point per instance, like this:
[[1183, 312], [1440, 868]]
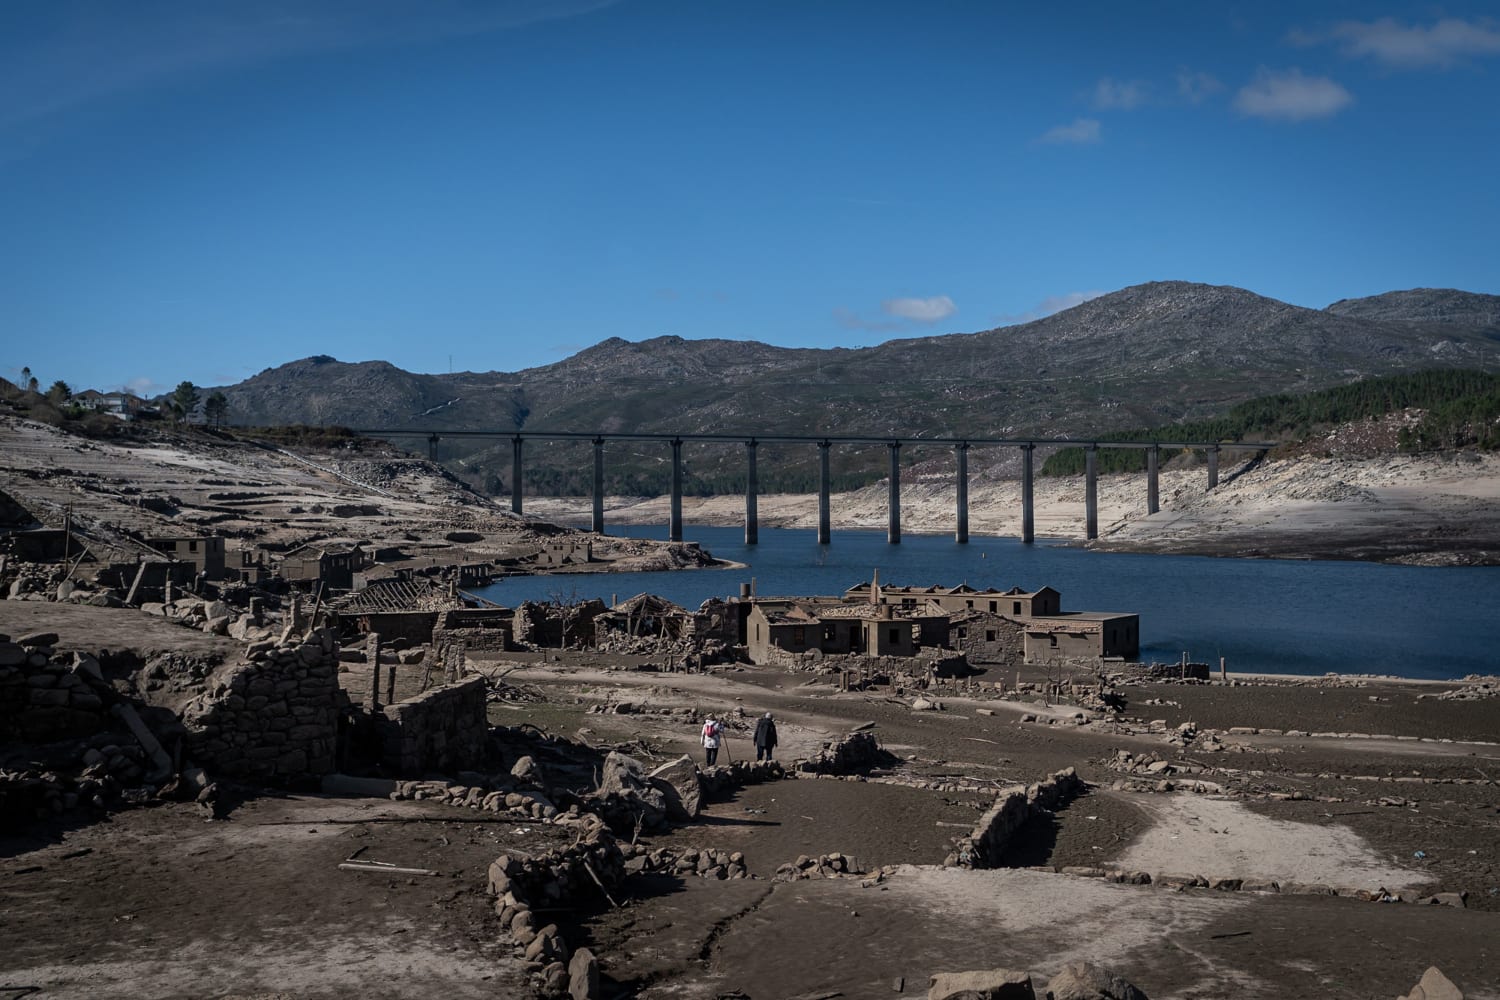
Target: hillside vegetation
[[1460, 409]]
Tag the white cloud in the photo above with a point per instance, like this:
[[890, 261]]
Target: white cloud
[[1195, 88], [1119, 95], [1290, 95], [1082, 131], [920, 310], [83, 53], [1408, 47], [1051, 304], [905, 312]]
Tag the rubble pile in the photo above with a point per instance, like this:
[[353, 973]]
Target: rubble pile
[[834, 865], [1475, 688], [79, 751], [856, 753], [707, 862]]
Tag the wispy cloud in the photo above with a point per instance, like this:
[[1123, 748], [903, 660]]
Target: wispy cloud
[[1196, 87], [1400, 46], [904, 313], [920, 310], [1290, 95], [1051, 304], [144, 386], [78, 55], [1120, 95], [1082, 132]]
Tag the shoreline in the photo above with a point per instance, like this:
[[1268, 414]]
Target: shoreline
[[1429, 510]]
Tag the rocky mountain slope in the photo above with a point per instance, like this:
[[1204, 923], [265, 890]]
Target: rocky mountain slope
[[1142, 356]]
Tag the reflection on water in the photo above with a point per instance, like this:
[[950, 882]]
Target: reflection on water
[[1275, 616]]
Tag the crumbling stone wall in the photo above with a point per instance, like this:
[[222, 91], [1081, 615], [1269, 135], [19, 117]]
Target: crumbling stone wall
[[443, 729], [47, 696], [554, 626], [273, 718], [1014, 807], [485, 630], [992, 639]]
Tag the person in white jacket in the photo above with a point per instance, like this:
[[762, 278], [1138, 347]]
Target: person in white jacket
[[713, 733]]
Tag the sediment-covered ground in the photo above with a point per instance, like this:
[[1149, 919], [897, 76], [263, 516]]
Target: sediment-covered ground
[[1323, 787]]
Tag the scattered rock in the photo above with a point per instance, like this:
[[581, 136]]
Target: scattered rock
[[1434, 986], [982, 984], [1086, 981]]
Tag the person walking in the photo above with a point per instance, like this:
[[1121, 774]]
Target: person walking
[[713, 732], [765, 737]]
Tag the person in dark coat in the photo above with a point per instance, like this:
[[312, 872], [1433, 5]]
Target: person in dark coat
[[765, 737]]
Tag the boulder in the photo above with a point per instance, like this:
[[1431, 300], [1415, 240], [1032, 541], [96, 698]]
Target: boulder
[[625, 778], [1086, 981], [583, 976], [679, 782], [982, 984], [527, 771], [1434, 986]]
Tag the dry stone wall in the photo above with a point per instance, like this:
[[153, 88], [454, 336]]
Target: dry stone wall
[[442, 729], [985, 844], [273, 718], [46, 696]]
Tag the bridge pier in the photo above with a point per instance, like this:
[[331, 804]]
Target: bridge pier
[[752, 495], [1213, 467], [674, 520], [961, 528], [1153, 455], [432, 443], [825, 518], [598, 486], [1028, 502], [893, 531], [1091, 492], [515, 474]]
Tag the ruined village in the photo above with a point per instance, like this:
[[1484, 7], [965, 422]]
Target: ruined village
[[258, 738]]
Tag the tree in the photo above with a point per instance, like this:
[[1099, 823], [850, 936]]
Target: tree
[[215, 408], [60, 393], [184, 399]]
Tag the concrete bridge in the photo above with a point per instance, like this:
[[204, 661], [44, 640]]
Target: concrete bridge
[[751, 443]]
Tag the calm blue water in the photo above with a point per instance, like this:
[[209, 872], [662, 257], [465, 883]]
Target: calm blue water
[[1267, 615]]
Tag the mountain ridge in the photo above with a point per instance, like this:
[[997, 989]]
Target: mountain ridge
[[1145, 355]]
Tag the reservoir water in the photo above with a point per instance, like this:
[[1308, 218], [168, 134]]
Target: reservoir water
[[1266, 615]]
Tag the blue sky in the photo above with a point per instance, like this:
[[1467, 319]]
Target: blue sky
[[199, 190]]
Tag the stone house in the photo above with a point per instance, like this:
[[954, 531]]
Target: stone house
[[205, 553], [1013, 603], [985, 637], [775, 628], [1082, 635], [331, 563]]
